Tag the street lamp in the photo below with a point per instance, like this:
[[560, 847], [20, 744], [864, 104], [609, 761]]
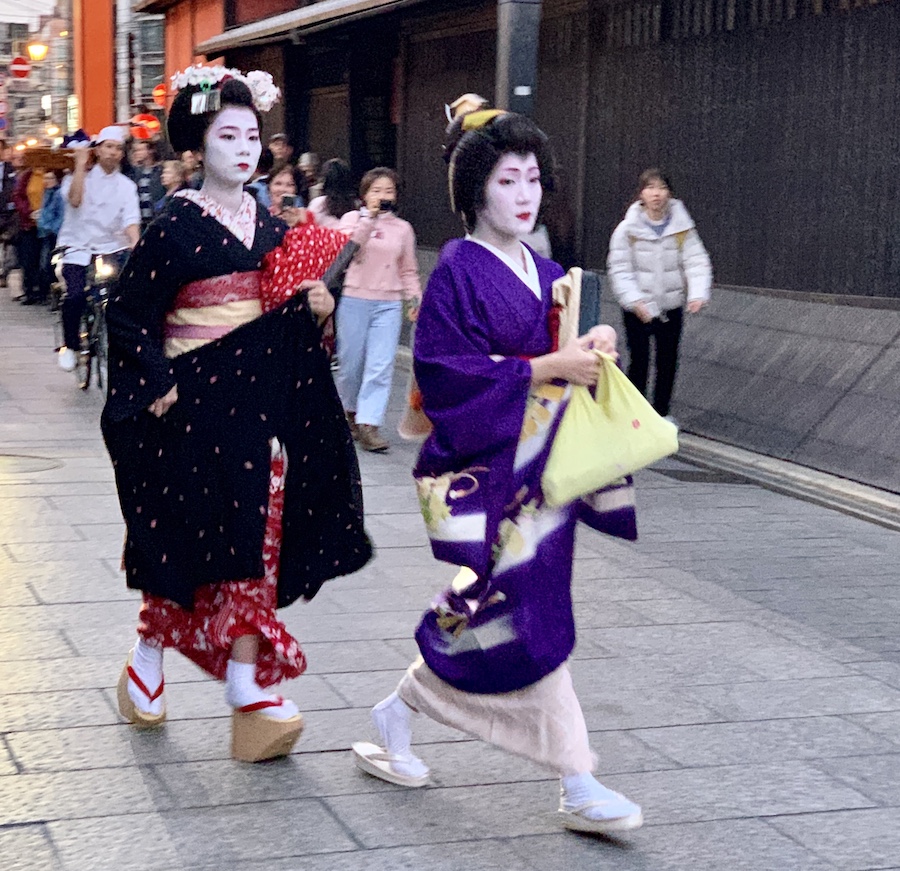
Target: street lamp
[[37, 50]]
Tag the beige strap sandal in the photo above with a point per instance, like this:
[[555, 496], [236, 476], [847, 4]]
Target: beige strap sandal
[[375, 761]]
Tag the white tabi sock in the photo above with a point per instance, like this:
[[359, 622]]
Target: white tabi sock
[[578, 790], [391, 718], [147, 662], [241, 689]]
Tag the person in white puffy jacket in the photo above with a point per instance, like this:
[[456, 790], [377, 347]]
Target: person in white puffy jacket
[[657, 267]]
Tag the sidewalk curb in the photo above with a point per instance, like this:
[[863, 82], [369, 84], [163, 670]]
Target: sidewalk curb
[[850, 497]]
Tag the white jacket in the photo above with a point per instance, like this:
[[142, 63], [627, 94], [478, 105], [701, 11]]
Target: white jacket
[[658, 270]]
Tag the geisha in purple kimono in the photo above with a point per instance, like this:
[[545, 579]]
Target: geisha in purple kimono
[[494, 646]]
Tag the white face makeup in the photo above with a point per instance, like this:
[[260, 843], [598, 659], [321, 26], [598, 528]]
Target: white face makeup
[[232, 147], [512, 197]]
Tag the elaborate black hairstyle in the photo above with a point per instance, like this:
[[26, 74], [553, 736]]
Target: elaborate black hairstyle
[[476, 142], [187, 130]]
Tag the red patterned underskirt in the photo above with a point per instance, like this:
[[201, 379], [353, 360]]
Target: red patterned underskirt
[[226, 611]]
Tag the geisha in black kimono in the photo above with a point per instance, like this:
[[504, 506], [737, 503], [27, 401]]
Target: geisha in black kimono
[[494, 383], [234, 465]]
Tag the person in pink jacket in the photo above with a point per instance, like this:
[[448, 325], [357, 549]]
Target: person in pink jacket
[[383, 274]]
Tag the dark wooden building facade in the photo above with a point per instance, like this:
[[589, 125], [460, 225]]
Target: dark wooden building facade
[[778, 120]]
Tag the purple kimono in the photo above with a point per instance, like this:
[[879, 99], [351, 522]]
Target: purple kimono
[[479, 476]]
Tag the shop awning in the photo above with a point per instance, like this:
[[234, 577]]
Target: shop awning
[[318, 16]]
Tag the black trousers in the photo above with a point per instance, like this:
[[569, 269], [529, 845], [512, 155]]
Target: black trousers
[[73, 304], [667, 335], [28, 248]]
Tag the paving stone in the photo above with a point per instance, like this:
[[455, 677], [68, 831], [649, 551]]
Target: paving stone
[[438, 815], [876, 777], [27, 848], [44, 644], [854, 840], [335, 657], [276, 829], [93, 615], [136, 842], [628, 672], [29, 798], [735, 845], [596, 615], [76, 551], [82, 672], [54, 710], [736, 791], [216, 782], [476, 855], [800, 698], [335, 627], [764, 741]]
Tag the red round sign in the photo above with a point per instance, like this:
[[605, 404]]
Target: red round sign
[[20, 68]]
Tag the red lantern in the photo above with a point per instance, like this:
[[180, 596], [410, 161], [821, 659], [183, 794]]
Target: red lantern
[[160, 92], [145, 126]]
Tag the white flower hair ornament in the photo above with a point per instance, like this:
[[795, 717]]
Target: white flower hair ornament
[[208, 99]]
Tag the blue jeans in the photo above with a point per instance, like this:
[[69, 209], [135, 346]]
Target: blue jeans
[[368, 332]]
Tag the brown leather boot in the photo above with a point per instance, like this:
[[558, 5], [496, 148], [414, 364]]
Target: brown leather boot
[[370, 439], [351, 422]]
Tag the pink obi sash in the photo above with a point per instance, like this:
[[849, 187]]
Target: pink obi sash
[[207, 293]]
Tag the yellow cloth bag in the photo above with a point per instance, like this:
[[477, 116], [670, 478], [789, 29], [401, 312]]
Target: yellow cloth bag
[[604, 437]]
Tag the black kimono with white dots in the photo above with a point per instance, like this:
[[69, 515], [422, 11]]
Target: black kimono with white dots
[[193, 485]]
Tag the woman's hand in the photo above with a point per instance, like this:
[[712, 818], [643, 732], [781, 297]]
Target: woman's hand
[[321, 302], [575, 363], [642, 312], [412, 308], [695, 305], [293, 216], [363, 230], [160, 406], [604, 339]]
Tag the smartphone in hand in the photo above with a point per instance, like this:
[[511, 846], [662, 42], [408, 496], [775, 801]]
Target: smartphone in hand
[[291, 201]]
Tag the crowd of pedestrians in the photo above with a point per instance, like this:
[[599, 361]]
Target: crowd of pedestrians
[[219, 378]]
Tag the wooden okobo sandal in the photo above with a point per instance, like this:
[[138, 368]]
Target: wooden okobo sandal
[[128, 709], [255, 736]]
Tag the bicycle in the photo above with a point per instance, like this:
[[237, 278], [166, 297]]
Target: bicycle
[[103, 274]]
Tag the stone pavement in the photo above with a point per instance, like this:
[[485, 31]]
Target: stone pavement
[[739, 668]]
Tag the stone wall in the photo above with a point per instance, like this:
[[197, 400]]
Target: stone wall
[[814, 383]]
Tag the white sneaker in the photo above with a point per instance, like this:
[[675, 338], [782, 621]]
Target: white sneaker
[[67, 359]]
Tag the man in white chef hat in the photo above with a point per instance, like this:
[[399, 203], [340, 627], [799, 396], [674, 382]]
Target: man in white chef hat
[[102, 216]]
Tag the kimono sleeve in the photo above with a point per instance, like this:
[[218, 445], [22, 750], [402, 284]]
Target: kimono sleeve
[[476, 402], [139, 371]]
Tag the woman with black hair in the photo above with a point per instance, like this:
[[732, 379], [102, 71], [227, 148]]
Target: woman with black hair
[[209, 401], [494, 646], [338, 194], [288, 193]]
